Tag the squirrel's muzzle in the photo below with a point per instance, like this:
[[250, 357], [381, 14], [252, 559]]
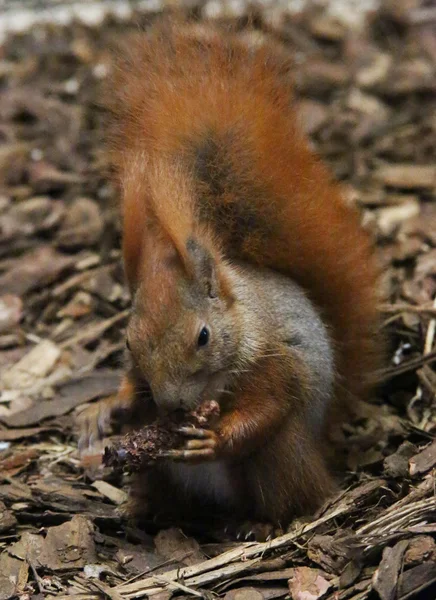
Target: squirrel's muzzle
[[171, 396], [167, 397]]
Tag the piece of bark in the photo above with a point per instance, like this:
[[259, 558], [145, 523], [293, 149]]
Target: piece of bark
[[13, 464], [172, 544], [13, 576], [34, 270], [67, 546], [82, 225], [426, 265], [77, 391], [12, 435], [10, 311], [385, 579], [320, 77], [248, 593], [7, 519], [364, 494], [138, 559], [35, 215], [261, 593], [350, 574], [328, 553], [397, 464], [15, 492], [55, 492], [45, 177], [114, 494], [36, 365], [144, 446], [327, 27], [424, 461], [266, 576], [408, 77], [14, 157], [407, 176], [308, 584], [409, 249], [80, 305], [416, 580], [421, 548], [62, 500], [13, 402], [311, 115], [373, 73], [391, 217], [95, 331]]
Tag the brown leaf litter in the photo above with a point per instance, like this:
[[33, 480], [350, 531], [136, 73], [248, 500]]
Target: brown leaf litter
[[366, 98]]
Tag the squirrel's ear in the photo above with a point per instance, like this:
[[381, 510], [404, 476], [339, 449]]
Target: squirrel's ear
[[203, 267]]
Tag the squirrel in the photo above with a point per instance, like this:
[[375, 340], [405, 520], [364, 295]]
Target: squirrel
[[253, 282]]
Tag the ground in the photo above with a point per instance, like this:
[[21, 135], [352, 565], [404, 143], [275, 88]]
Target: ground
[[367, 102]]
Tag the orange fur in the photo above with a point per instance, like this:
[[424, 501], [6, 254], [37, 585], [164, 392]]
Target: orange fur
[[172, 91]]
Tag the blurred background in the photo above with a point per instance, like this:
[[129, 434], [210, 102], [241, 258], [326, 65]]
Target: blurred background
[[365, 87], [18, 14]]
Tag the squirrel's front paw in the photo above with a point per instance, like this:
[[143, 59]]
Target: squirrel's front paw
[[93, 423], [200, 445], [100, 419]]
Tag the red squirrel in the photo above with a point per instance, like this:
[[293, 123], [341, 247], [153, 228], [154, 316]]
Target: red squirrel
[[252, 280]]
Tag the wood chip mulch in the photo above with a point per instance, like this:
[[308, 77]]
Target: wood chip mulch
[[367, 101]]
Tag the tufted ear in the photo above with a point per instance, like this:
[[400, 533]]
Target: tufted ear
[[203, 267]]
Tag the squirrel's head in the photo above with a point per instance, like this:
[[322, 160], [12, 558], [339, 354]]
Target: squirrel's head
[[182, 336]]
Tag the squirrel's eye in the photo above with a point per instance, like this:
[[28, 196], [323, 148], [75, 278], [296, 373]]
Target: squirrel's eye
[[203, 338], [127, 344]]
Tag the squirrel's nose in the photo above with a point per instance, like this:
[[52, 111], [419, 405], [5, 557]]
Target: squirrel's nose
[[167, 398]]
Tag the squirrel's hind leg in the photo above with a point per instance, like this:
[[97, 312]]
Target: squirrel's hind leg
[[288, 477]]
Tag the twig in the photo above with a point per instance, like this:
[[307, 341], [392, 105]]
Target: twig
[[38, 579], [80, 597], [422, 309], [233, 561], [431, 330], [386, 374], [395, 516], [106, 590], [179, 586], [92, 333], [428, 345]]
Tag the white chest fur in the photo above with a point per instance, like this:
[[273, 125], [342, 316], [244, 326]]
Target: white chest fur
[[209, 480]]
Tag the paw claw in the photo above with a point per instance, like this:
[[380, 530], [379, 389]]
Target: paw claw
[[189, 454], [200, 445], [102, 423], [195, 432], [250, 532]]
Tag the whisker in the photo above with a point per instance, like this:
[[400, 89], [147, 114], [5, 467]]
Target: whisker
[[141, 393], [273, 355]]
